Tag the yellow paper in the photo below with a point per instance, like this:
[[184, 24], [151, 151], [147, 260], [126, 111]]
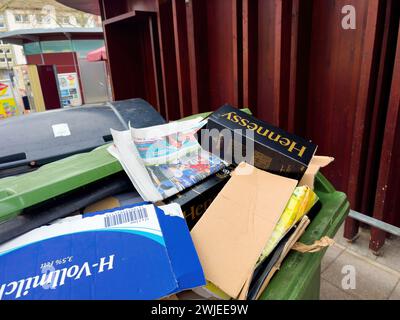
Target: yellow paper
[[300, 203]]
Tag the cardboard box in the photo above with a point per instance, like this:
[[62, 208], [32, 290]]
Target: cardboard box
[[275, 150], [231, 235], [315, 165], [137, 252], [194, 201]]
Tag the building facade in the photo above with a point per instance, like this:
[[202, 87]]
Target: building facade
[[35, 14]]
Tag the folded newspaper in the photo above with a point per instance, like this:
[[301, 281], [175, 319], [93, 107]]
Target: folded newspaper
[[163, 160]]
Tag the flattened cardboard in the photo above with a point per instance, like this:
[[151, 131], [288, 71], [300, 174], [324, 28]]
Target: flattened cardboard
[[230, 236], [105, 204]]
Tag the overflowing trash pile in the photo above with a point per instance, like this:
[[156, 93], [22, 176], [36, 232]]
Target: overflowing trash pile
[[203, 208]]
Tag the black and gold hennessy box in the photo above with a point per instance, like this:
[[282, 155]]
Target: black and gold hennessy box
[[271, 149], [195, 200]]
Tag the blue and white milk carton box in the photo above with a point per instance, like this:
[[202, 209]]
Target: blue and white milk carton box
[[135, 252]]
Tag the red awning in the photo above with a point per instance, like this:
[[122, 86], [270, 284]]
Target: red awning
[[99, 54]]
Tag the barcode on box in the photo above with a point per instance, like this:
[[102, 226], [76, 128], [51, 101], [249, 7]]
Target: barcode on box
[[131, 215]]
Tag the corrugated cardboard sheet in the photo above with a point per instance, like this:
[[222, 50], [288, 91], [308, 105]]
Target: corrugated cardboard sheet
[[230, 236]]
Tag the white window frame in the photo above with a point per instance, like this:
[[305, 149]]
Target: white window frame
[[40, 17], [63, 19], [23, 18]]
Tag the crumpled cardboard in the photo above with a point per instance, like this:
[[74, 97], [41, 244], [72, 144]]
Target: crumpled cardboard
[[317, 246], [315, 165]]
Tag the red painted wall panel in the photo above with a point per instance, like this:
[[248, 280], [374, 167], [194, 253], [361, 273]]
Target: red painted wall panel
[[48, 82], [64, 62], [290, 61], [340, 71], [34, 59]]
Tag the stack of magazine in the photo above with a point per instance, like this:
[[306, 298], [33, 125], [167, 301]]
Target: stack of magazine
[[162, 161]]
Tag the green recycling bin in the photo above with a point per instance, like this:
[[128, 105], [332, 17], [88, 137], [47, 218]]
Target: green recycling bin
[[300, 274]]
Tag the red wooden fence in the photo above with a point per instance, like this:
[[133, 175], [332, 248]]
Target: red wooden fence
[[291, 62]]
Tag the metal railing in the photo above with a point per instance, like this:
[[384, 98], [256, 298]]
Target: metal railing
[[375, 223]]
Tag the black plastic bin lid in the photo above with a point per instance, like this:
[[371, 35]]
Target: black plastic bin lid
[[39, 138]]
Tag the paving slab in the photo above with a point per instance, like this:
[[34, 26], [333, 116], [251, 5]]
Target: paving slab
[[390, 256], [396, 293], [330, 256], [330, 292], [361, 245], [393, 241], [372, 281]]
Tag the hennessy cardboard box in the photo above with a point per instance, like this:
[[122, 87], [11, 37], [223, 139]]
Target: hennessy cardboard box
[[196, 200], [275, 150]]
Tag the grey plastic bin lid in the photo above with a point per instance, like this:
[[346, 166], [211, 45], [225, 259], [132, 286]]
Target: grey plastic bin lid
[[39, 138]]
